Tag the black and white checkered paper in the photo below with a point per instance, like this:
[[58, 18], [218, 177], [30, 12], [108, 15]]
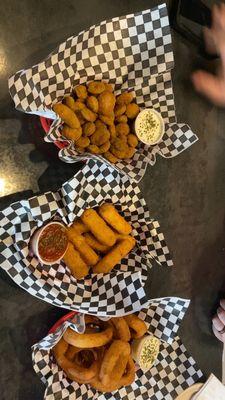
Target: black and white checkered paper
[[174, 371], [133, 52], [117, 293]]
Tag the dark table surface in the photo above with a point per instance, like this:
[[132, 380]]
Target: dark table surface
[[185, 193]]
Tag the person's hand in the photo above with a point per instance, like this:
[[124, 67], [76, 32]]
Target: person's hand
[[218, 321], [213, 86]]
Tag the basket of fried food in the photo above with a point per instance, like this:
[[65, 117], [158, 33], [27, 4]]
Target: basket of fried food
[[98, 241], [101, 356], [99, 122]]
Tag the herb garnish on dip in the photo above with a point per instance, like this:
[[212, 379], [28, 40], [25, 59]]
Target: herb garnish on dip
[[149, 126], [145, 351]]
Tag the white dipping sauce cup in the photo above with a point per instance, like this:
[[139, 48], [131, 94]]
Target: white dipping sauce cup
[[35, 241], [140, 116]]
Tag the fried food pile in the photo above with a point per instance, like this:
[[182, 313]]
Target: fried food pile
[[101, 356], [99, 122], [98, 240]]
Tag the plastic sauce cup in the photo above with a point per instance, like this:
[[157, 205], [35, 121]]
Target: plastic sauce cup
[[35, 243]]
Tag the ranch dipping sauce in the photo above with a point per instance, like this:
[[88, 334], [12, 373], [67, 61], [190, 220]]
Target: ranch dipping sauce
[[145, 351], [149, 126]]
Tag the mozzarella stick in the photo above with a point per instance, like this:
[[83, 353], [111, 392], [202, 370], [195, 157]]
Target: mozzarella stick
[[114, 219], [80, 244], [98, 227], [80, 226], [75, 263], [119, 251], [95, 244]]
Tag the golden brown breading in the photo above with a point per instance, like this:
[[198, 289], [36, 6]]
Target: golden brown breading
[[81, 91], [100, 136], [109, 213], [69, 101], [75, 263], [132, 140], [67, 115], [72, 133], [129, 152], [110, 157], [104, 147], [106, 101], [114, 256], [132, 110], [98, 227], [100, 124], [92, 148], [122, 128], [122, 119], [79, 226], [87, 253], [95, 87], [92, 103], [108, 120], [80, 117], [95, 244], [83, 142], [124, 98], [78, 105], [112, 130], [108, 87], [88, 114], [120, 109], [89, 128]]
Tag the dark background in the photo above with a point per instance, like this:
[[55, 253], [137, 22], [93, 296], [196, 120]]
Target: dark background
[[186, 193]]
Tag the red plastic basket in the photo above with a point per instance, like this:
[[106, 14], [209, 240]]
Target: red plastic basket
[[61, 320], [46, 123]]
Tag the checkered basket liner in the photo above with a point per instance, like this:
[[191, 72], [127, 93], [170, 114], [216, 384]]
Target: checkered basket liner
[[174, 371], [133, 52], [116, 293]]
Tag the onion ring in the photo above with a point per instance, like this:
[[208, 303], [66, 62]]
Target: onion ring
[[129, 376], [85, 357], [114, 362], [138, 326], [98, 385], [127, 379], [121, 330], [74, 371], [89, 340], [71, 352]]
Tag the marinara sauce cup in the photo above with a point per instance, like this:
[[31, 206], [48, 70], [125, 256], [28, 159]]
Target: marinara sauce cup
[[49, 243]]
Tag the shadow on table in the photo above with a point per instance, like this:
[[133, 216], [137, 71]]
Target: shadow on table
[[208, 284]]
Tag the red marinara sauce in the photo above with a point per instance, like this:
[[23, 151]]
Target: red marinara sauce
[[52, 242]]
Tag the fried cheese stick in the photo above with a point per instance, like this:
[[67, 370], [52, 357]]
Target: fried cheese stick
[[80, 244], [73, 260], [114, 219], [114, 256], [98, 227]]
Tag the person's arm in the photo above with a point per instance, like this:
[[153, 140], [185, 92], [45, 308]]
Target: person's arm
[[213, 86]]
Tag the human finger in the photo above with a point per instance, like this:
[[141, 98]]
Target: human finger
[[219, 335], [217, 323], [221, 314], [215, 16], [210, 44], [217, 30], [210, 86], [219, 16], [222, 303]]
